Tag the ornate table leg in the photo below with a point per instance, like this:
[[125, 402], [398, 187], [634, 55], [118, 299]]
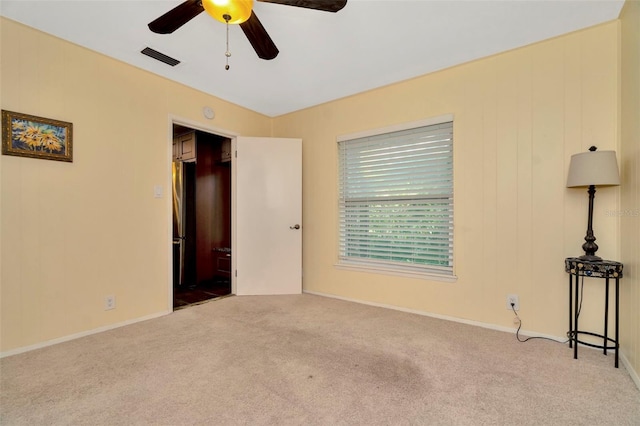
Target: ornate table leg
[[606, 313]]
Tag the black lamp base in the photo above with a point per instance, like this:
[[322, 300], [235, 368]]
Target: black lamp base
[[590, 247], [590, 258]]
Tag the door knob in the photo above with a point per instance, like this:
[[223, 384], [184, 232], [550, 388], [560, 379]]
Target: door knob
[[296, 226]]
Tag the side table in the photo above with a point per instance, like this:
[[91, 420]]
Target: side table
[[606, 269]]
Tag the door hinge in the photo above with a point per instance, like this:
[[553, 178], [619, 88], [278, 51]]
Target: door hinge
[[236, 273], [236, 153]]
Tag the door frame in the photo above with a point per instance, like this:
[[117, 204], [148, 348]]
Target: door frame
[[196, 125]]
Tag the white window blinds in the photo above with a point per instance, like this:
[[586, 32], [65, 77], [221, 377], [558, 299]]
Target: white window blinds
[[396, 200]]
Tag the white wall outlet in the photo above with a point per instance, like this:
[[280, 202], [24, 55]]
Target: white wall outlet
[[109, 303], [513, 298]]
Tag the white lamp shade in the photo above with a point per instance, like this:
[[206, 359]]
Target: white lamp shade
[[598, 168]]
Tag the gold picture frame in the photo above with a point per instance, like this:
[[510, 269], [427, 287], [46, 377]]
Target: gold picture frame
[[36, 137]]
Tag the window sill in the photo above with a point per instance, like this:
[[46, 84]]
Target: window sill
[[433, 276]]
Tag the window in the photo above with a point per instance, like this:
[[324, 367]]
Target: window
[[396, 200]]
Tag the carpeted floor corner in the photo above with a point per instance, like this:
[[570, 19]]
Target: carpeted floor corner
[[311, 360]]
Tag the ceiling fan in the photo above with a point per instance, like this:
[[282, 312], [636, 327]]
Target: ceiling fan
[[237, 12]]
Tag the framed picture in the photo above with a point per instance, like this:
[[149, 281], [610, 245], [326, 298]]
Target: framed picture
[[36, 137]]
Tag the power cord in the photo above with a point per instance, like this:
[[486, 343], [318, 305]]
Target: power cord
[[513, 307]]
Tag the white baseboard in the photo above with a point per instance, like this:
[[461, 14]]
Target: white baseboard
[[623, 358], [444, 317], [633, 373], [81, 334]]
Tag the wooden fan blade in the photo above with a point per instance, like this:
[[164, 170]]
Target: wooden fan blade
[[258, 37], [325, 5], [176, 17]]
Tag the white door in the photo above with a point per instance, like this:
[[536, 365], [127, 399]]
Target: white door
[[268, 210]]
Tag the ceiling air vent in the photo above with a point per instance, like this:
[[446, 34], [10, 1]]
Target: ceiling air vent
[[160, 56]]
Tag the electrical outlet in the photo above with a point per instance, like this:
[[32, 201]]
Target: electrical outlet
[[513, 298], [109, 303]]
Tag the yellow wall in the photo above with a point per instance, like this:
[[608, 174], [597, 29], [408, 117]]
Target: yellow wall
[[519, 116], [73, 233], [630, 206]]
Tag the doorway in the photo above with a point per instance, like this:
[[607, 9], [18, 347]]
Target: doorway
[[201, 191]]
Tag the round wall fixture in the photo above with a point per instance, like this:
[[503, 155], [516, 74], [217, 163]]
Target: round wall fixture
[[208, 112]]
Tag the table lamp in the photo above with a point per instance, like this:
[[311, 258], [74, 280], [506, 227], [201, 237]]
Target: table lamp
[[592, 168]]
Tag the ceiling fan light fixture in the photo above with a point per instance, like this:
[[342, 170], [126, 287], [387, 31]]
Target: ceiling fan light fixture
[[238, 10]]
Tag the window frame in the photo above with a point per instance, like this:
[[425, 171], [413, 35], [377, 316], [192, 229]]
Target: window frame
[[426, 272]]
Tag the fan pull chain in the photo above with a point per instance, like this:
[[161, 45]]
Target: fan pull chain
[[228, 52]]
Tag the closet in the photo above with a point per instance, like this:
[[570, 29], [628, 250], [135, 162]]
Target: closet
[[201, 171]]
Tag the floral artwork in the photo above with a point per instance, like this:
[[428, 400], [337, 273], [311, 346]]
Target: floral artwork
[[30, 136]]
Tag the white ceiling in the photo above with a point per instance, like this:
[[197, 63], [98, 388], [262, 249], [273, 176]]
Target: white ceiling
[[323, 56]]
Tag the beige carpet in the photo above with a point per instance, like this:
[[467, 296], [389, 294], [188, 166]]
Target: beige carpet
[[310, 360]]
